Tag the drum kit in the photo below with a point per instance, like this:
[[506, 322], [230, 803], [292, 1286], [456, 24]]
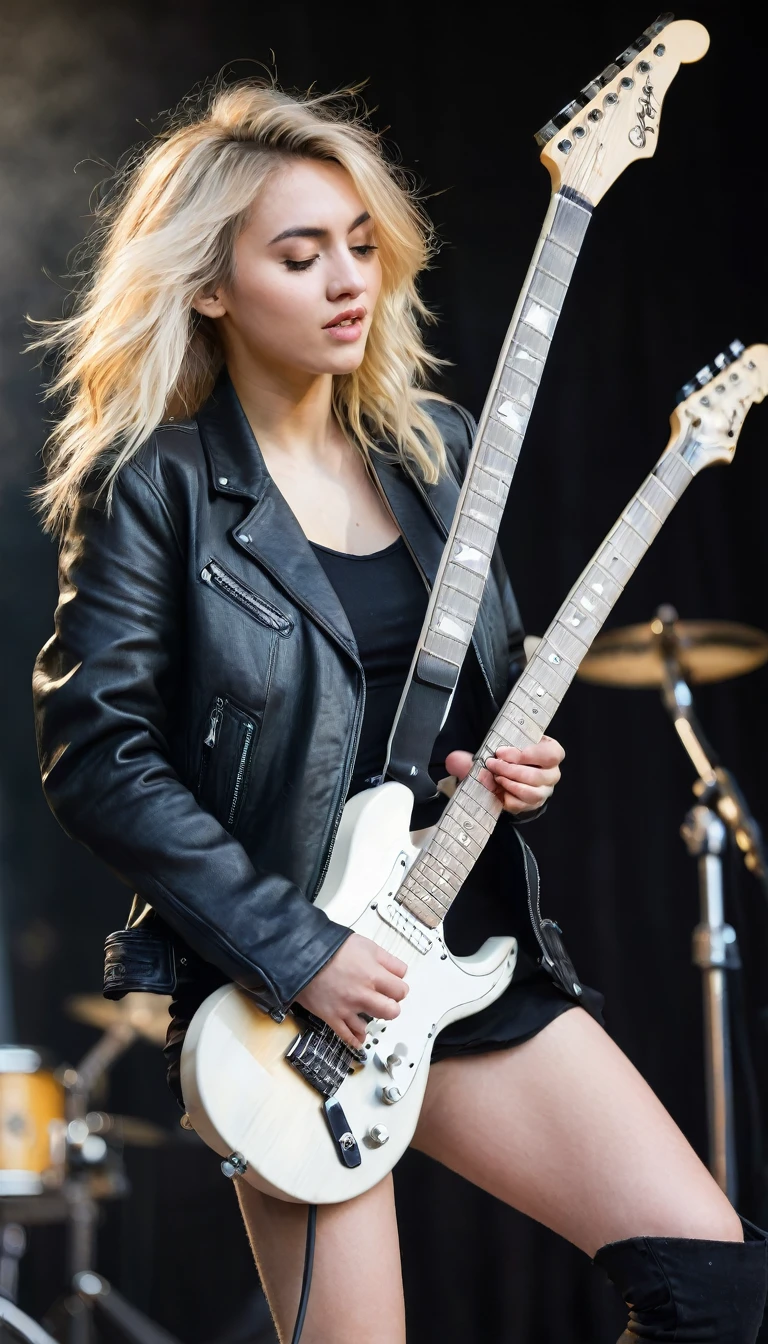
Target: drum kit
[[59, 1159]]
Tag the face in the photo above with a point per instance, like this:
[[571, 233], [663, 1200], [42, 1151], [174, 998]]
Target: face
[[306, 275]]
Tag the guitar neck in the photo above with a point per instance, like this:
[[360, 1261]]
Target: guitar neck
[[467, 823], [466, 559]]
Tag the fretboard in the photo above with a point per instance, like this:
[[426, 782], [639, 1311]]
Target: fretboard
[[467, 823], [466, 559]]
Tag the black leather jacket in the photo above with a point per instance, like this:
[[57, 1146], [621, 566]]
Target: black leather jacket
[[199, 705]]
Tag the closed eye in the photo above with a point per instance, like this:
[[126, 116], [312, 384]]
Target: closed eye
[[299, 265], [361, 250]]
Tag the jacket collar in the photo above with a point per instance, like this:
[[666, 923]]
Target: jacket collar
[[271, 533]]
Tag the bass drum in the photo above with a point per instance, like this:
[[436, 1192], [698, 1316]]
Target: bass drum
[[32, 1124]]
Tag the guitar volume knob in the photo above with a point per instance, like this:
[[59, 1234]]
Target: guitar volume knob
[[391, 1094], [378, 1135]]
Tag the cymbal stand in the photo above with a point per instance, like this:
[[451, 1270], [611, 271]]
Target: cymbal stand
[[721, 808], [82, 1208]]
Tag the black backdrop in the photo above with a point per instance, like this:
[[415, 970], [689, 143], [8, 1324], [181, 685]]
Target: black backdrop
[[673, 268]]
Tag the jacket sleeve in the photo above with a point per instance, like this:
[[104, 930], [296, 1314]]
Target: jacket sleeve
[[102, 688]]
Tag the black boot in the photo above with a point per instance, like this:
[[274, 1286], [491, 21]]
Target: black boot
[[690, 1292]]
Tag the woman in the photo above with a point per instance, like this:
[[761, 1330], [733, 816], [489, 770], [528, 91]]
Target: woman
[[252, 492]]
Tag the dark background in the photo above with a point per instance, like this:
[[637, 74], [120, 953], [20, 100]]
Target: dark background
[[673, 268]]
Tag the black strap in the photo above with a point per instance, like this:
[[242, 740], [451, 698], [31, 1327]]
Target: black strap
[[554, 955], [424, 706], [421, 717]]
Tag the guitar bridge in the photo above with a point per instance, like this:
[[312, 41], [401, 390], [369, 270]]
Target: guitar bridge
[[320, 1056]]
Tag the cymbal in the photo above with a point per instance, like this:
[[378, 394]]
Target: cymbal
[[147, 1014], [707, 651]]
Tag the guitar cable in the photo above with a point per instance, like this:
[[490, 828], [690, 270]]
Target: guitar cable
[[306, 1282]]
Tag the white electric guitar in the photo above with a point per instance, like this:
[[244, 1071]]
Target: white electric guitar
[[292, 1108]]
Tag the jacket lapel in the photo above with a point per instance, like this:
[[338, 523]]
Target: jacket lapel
[[270, 533], [420, 522]]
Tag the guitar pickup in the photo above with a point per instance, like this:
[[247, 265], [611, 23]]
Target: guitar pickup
[[345, 1141]]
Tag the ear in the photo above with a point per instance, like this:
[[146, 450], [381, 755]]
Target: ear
[[209, 305]]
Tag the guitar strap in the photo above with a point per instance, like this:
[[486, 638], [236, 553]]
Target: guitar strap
[[428, 691]]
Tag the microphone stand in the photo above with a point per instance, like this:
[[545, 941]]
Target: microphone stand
[[721, 808]]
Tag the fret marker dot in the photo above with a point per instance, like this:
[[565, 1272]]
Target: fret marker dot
[[554, 658], [539, 690], [597, 588]]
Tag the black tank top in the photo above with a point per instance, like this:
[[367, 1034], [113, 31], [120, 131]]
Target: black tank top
[[385, 600]]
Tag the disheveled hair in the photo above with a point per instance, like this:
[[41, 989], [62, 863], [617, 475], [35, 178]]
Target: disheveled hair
[[134, 352]]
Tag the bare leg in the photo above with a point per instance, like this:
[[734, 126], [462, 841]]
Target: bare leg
[[356, 1244], [565, 1129]]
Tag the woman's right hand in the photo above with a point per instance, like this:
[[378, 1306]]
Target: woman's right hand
[[359, 978]]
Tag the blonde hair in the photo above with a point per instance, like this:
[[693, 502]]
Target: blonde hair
[[134, 352]]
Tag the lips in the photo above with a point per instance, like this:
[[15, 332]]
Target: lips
[[348, 318]]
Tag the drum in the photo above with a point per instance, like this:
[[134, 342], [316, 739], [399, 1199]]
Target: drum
[[32, 1124]]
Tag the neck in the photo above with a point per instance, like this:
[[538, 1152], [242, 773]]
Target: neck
[[467, 823], [288, 409]]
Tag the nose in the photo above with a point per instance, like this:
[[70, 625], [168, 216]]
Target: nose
[[347, 280]]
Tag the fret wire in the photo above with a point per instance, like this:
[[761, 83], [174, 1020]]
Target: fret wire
[[414, 884], [563, 246], [543, 304], [542, 270], [665, 488], [532, 353], [520, 374]]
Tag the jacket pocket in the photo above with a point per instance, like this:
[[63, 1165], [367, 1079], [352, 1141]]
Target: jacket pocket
[[257, 606], [230, 736]]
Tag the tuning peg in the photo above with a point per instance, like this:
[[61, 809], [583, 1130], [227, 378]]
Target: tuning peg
[[737, 348], [565, 114], [722, 360], [704, 375], [644, 40], [687, 390], [551, 128], [594, 86]]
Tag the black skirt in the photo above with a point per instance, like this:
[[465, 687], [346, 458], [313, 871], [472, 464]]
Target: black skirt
[[492, 901]]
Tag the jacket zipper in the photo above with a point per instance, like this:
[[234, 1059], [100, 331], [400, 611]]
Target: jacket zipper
[[213, 573], [241, 771], [213, 723]]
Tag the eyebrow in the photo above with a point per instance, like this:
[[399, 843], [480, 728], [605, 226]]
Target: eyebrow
[[318, 233]]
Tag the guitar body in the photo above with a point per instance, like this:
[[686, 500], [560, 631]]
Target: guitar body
[[243, 1095]]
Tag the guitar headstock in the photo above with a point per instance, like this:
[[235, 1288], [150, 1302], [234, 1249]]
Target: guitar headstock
[[713, 406], [615, 118]]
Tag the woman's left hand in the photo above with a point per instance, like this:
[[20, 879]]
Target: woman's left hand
[[522, 780]]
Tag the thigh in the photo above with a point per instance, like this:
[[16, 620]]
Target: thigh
[[565, 1129], [356, 1291]]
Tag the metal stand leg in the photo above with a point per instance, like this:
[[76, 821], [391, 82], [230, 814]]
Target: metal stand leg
[[715, 952]]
